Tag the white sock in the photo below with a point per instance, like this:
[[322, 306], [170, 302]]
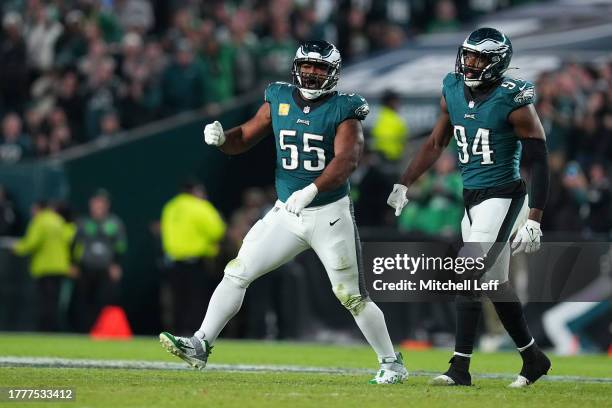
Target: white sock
[[371, 321], [224, 304]]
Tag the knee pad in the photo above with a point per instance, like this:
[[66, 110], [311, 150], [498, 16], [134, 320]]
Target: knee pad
[[354, 303], [235, 270]]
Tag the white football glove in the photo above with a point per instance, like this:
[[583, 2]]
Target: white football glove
[[397, 199], [301, 198], [527, 238], [213, 134]]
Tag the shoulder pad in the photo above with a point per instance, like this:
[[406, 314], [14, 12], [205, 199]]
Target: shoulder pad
[[449, 80], [354, 106], [273, 89], [518, 92]]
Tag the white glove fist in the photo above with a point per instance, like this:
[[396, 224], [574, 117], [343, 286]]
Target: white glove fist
[[301, 198], [527, 238], [397, 199], [213, 134]]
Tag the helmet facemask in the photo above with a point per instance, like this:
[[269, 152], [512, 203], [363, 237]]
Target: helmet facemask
[[476, 67], [314, 77], [484, 57]]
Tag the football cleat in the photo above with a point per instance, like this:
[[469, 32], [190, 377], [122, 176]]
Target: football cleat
[[457, 374], [391, 372], [192, 350], [534, 367]]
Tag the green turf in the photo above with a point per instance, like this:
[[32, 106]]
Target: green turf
[[140, 388]]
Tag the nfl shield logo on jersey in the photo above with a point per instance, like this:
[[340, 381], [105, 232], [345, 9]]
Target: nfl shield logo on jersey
[[306, 109]]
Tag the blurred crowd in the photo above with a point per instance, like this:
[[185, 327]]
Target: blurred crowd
[[575, 106], [76, 70]]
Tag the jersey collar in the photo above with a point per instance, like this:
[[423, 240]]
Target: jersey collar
[[311, 104], [479, 96]]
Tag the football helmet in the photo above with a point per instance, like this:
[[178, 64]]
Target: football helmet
[[321, 54], [483, 57]]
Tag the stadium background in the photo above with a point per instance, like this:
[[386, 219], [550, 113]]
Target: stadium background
[[93, 99]]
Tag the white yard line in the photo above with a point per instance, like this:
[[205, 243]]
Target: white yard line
[[49, 362]]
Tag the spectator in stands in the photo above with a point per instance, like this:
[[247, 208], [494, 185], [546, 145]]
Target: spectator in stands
[[599, 196], [445, 19], [13, 69], [390, 132], [276, 52], [191, 229], [351, 22], [134, 15], [71, 101], [368, 184], [71, 44], [133, 63], [8, 215], [60, 138], [575, 207], [47, 241], [436, 206], [109, 125], [183, 82], [218, 69], [98, 248], [14, 145], [244, 43], [103, 95], [41, 35]]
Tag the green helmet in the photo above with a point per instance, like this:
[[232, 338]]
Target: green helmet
[[489, 52]]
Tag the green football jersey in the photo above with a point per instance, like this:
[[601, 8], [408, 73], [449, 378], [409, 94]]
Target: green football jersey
[[489, 151], [305, 136]]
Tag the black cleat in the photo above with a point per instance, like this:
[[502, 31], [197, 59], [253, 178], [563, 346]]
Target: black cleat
[[535, 365], [457, 374]]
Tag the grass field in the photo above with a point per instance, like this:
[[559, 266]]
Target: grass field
[[223, 387]]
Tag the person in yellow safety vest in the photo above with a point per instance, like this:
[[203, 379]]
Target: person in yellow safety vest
[[191, 229], [47, 241], [390, 131]]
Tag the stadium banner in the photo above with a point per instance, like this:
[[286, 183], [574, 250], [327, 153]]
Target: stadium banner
[[437, 271]]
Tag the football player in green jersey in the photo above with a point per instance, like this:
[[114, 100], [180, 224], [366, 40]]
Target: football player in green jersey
[[493, 120], [319, 142]]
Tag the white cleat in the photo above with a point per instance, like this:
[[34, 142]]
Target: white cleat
[[443, 380], [520, 382], [392, 372], [192, 350]]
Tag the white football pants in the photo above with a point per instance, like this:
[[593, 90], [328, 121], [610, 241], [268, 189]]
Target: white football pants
[[495, 220], [329, 230]]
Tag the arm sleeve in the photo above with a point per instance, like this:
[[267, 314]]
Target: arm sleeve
[[535, 157]]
